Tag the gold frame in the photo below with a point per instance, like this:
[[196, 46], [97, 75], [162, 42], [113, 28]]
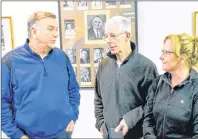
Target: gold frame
[[195, 22], [11, 33]]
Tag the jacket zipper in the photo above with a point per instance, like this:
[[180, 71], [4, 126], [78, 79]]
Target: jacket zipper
[[172, 90], [45, 72]]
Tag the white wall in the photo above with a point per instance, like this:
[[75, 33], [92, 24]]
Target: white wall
[[158, 19], [20, 16], [155, 21]]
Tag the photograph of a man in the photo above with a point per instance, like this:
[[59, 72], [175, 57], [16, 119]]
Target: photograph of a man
[[85, 74], [70, 29], [96, 30], [98, 55], [72, 55], [84, 56]]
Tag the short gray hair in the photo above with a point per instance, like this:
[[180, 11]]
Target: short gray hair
[[123, 23]]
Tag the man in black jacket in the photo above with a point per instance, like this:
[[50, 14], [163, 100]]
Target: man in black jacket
[[122, 82]]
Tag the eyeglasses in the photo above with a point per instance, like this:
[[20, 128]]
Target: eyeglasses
[[111, 36], [165, 52]]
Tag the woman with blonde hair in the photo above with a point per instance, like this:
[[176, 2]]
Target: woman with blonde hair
[[171, 111]]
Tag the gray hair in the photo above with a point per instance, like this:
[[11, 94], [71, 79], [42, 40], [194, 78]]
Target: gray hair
[[123, 23]]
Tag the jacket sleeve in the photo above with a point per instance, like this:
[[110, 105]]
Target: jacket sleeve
[[98, 105], [136, 115], [8, 124], [73, 89], [149, 131], [195, 118]]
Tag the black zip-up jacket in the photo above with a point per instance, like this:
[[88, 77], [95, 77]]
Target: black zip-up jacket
[[120, 92], [172, 113]]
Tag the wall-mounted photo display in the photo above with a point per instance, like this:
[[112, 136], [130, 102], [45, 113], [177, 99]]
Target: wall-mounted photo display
[[82, 33]]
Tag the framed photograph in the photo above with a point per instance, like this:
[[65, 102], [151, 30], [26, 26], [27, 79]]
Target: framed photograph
[[84, 56], [82, 31], [110, 3], [70, 29], [7, 37], [94, 26], [85, 75], [195, 23], [68, 4], [71, 53], [98, 55], [125, 3], [96, 4], [82, 5]]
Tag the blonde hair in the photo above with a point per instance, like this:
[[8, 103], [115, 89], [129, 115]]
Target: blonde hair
[[185, 47], [38, 16]]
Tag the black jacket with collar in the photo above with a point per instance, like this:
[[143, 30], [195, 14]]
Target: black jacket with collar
[[120, 92], [172, 113]]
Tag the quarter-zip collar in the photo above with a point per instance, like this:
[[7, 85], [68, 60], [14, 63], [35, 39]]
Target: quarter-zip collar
[[133, 48], [27, 47], [193, 75]]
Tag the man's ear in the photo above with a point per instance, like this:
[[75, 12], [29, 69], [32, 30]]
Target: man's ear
[[128, 35]]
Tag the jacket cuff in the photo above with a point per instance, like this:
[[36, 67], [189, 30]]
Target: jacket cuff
[[17, 135], [128, 121], [99, 124]]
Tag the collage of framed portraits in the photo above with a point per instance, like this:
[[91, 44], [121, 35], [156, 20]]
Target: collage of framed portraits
[[82, 30]]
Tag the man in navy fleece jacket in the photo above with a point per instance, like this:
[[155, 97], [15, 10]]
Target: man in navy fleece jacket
[[40, 94]]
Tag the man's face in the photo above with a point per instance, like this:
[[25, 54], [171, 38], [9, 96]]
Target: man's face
[[98, 53], [46, 32], [69, 26], [97, 23], [84, 54], [114, 39]]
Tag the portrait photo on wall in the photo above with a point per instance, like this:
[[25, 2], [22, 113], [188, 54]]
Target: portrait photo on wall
[[98, 55], [68, 5], [96, 4], [7, 37], [125, 3], [71, 53], [84, 56], [110, 3], [82, 5], [70, 29], [94, 26], [85, 75]]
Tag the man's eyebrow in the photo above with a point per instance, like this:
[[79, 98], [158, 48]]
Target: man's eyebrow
[[51, 26]]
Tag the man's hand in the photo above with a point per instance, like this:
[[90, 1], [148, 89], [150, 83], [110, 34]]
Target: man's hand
[[70, 126], [101, 131], [122, 126], [24, 137]]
